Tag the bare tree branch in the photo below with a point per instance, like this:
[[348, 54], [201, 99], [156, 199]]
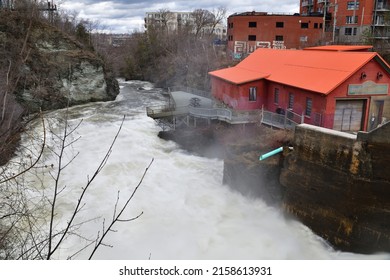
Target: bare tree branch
[[117, 217], [76, 210], [36, 160]]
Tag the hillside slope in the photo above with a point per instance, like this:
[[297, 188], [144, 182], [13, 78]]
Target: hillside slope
[[41, 68]]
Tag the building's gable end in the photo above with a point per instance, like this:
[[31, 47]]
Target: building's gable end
[[383, 64], [352, 73]]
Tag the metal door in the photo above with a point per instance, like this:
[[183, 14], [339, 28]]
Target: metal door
[[348, 115]]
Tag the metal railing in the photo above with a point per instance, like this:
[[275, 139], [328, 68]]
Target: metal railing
[[286, 120], [211, 113], [223, 114], [381, 6], [252, 116], [307, 3]]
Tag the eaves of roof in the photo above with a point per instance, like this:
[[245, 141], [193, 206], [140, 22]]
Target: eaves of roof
[[340, 48], [237, 75]]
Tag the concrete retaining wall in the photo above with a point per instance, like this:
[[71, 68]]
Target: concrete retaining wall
[[338, 185]]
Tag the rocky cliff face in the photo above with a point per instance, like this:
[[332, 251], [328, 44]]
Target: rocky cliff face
[[59, 71], [41, 68]]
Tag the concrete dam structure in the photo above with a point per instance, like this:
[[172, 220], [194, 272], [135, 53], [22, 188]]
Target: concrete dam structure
[[338, 184]]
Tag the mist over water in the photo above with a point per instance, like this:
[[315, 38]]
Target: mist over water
[[187, 212]]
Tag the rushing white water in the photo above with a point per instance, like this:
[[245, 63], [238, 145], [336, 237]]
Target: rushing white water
[[187, 212]]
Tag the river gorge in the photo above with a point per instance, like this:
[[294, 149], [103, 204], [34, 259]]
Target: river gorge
[[188, 213]]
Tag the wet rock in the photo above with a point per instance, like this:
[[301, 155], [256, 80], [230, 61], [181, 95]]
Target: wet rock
[[60, 72]]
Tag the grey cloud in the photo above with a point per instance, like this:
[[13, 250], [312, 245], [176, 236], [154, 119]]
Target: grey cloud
[[134, 11]]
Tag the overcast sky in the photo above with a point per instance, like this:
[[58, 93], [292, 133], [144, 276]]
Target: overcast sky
[[123, 16]]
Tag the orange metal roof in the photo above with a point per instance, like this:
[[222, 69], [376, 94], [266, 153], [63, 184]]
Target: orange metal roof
[[238, 75], [340, 48], [318, 71]]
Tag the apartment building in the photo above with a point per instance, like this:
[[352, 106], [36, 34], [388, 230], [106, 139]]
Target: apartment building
[[173, 21], [352, 21]]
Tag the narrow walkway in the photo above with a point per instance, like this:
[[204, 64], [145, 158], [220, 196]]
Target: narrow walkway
[[182, 99], [183, 103]]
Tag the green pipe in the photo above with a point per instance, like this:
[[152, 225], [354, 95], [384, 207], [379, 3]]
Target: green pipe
[[269, 154]]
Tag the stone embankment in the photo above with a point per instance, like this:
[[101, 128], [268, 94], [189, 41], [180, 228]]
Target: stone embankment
[[335, 183], [339, 186]]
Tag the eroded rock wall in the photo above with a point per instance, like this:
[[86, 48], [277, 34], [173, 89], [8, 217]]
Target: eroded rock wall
[[59, 72]]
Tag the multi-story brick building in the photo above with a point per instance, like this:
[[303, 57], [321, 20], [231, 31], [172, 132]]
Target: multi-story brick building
[[251, 30], [352, 21], [319, 22]]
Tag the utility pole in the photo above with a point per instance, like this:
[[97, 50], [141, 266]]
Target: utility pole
[[324, 19], [334, 15], [336, 6], [50, 8]]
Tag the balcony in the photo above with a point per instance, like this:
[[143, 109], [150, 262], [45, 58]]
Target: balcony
[[382, 6], [381, 33], [307, 3], [379, 23], [323, 1]]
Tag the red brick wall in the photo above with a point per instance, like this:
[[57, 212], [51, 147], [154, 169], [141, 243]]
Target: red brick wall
[[299, 106], [237, 97], [266, 30], [371, 70]]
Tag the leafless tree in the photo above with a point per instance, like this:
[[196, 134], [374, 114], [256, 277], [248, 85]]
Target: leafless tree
[[202, 19], [167, 17], [25, 196], [219, 15]]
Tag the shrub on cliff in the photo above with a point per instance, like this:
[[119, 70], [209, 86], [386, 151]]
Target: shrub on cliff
[[41, 67]]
